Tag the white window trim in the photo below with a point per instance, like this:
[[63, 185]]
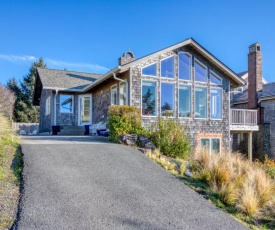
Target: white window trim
[[215, 75], [210, 145], [48, 106], [204, 66], [200, 118], [112, 87], [126, 93], [72, 103], [173, 56], [145, 75], [217, 119], [156, 98], [174, 113], [191, 104], [190, 67]]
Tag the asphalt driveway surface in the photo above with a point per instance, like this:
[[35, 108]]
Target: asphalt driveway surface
[[84, 183]]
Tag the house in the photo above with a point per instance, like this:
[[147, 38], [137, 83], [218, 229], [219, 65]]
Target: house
[[183, 81], [260, 95]]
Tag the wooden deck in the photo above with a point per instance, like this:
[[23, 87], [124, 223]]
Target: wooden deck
[[242, 120]]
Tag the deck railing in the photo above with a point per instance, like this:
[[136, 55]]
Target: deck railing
[[243, 117]]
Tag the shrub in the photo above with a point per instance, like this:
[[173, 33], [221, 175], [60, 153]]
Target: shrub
[[237, 181], [124, 120], [169, 136]]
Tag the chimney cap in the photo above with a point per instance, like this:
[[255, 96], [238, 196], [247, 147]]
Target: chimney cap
[[255, 47]]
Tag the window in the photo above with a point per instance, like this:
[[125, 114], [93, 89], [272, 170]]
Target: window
[[123, 93], [167, 99], [214, 79], [216, 103], [114, 95], [211, 144], [48, 106], [148, 98], [200, 72], [66, 103], [184, 66], [184, 100], [167, 67], [200, 102], [150, 70]]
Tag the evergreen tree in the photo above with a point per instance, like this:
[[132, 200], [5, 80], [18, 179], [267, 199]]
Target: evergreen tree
[[24, 111]]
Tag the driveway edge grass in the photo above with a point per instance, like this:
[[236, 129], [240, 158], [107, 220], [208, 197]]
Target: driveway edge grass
[[179, 170]]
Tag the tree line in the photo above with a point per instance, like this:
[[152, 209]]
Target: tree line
[[16, 97]]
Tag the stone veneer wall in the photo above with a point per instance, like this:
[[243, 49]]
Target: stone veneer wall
[[193, 126], [101, 99], [269, 120], [45, 121]]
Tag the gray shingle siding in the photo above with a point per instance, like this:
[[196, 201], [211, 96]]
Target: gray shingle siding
[[193, 126], [45, 124]]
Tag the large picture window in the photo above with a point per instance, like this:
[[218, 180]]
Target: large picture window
[[114, 95], [167, 99], [150, 70], [148, 98], [211, 144], [66, 103], [200, 102], [184, 63], [216, 103], [214, 79], [123, 93], [200, 72], [184, 100], [167, 67]]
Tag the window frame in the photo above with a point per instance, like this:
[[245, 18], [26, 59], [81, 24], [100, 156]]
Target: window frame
[[60, 95], [206, 72], [221, 103], [111, 96], [48, 106], [126, 93], [156, 98], [191, 104], [206, 116], [190, 67], [215, 75], [171, 56], [210, 143], [154, 63], [174, 104]]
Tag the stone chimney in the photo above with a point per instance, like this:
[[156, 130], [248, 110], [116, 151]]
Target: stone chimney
[[128, 56], [254, 74]]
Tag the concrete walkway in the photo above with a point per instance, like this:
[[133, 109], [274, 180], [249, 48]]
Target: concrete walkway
[[83, 183]]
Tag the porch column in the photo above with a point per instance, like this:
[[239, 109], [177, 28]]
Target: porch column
[[250, 146], [54, 104]]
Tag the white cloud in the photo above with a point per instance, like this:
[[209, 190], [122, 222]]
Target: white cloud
[[17, 58], [51, 63], [72, 66]]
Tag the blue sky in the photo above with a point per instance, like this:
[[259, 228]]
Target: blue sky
[[90, 36]]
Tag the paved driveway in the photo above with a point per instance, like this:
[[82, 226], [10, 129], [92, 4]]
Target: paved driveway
[[82, 183]]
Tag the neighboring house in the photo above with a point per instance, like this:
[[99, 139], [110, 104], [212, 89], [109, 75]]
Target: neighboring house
[[184, 81], [259, 95]]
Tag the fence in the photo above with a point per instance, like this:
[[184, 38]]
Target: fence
[[28, 127]]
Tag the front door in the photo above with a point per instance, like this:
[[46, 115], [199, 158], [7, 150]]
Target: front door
[[85, 108]]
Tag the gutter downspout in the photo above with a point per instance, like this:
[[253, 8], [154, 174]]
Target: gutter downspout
[[54, 118], [115, 77]]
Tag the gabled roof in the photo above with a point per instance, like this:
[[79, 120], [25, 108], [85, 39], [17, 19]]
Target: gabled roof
[[268, 92], [233, 77], [65, 80]]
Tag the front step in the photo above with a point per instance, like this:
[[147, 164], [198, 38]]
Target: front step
[[71, 130]]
